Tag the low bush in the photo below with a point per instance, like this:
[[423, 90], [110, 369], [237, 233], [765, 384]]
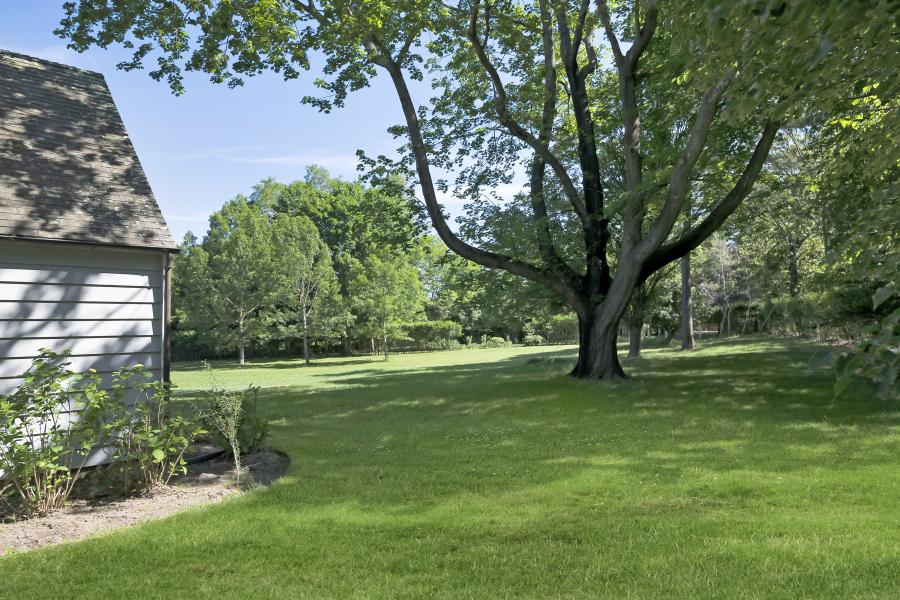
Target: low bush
[[562, 329], [58, 420], [496, 342], [432, 335], [42, 448], [532, 340], [149, 441], [233, 418]]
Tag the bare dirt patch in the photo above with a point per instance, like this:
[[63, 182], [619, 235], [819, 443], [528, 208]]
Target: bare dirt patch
[[205, 483]]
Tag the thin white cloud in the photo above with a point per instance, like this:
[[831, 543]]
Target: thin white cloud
[[206, 154], [198, 218], [344, 162]]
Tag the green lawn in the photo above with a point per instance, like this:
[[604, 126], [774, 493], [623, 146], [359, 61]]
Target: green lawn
[[726, 473]]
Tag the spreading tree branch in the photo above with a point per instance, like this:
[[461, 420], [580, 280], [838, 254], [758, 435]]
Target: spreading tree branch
[[514, 127], [596, 231], [680, 178], [538, 167], [723, 209], [477, 255], [381, 56]]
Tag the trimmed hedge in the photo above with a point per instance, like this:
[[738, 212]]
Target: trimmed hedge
[[431, 335]]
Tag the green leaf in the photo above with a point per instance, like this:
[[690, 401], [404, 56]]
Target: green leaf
[[158, 455], [883, 293], [841, 385]]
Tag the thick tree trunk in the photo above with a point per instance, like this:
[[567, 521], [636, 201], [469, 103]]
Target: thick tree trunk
[[636, 320], [598, 357], [385, 342], [635, 329], [686, 307]]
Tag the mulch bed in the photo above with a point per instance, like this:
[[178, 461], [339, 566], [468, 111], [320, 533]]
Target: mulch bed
[[206, 482]]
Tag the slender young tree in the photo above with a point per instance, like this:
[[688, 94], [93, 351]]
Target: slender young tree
[[232, 274], [387, 293], [305, 262], [517, 90], [685, 306]]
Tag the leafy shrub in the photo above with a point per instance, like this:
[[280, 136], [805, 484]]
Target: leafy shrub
[[42, 448], [223, 417], [434, 335], [842, 313], [533, 340], [234, 419], [874, 361], [531, 328], [562, 329], [52, 424], [148, 442], [496, 342]]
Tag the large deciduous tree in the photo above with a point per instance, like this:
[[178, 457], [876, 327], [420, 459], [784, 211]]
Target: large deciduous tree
[[352, 219], [387, 293], [233, 274], [305, 263], [542, 87]]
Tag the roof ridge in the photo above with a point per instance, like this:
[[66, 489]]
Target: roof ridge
[[51, 62]]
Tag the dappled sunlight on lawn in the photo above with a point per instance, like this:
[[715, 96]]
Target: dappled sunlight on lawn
[[497, 463]]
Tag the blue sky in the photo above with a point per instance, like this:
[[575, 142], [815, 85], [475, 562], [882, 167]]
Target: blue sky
[[212, 143]]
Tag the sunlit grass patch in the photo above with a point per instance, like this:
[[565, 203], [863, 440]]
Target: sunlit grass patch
[[726, 472]]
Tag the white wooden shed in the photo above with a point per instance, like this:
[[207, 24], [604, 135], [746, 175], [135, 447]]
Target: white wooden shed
[[84, 250]]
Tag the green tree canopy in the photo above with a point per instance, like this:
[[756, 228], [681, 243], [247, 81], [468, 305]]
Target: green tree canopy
[[304, 260], [540, 88], [387, 293], [233, 274]]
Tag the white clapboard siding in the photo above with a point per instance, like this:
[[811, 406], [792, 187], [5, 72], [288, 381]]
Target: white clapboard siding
[[9, 384], [39, 311], [14, 367], [78, 276], [57, 328], [104, 304], [30, 347], [106, 259], [19, 292]]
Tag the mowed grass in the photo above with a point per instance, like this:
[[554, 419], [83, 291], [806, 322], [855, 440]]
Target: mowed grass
[[729, 472]]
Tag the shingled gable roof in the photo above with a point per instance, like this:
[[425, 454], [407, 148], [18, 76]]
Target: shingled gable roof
[[67, 168]]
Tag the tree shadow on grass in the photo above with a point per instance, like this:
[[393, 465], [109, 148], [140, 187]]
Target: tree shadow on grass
[[704, 475], [408, 442], [270, 363]]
